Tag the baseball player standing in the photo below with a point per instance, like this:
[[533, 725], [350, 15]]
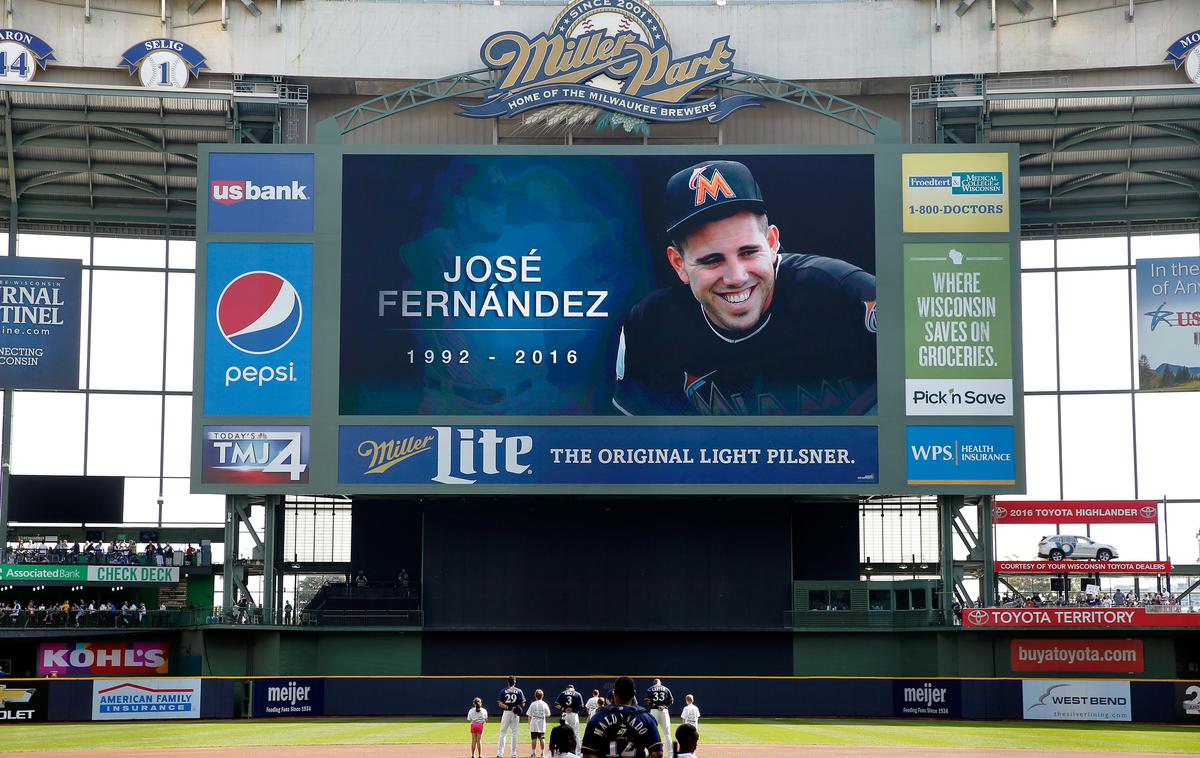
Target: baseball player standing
[[691, 714], [659, 700], [569, 703], [539, 711], [512, 705], [753, 331], [622, 729]]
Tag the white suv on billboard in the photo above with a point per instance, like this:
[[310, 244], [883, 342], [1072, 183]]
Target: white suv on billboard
[[1056, 547]]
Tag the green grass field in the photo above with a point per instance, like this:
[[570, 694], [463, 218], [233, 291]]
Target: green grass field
[[1044, 738]]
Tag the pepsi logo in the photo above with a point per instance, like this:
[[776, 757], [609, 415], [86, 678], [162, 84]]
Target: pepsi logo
[[259, 312], [978, 617], [1149, 512]]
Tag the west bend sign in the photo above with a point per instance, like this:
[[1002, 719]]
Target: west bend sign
[[613, 54]]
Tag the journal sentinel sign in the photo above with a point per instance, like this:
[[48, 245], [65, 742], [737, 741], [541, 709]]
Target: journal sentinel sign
[[940, 455], [453, 455], [250, 192]]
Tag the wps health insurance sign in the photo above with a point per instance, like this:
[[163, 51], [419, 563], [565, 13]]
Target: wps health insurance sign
[[958, 347], [1077, 700], [145, 699], [39, 323]]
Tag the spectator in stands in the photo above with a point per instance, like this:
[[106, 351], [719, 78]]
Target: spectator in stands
[[362, 580], [562, 740], [190, 555], [687, 738], [160, 555], [477, 717], [169, 554], [288, 612]]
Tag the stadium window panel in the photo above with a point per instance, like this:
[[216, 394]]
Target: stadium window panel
[[181, 329], [1037, 254], [123, 435], [1166, 455], [141, 500], [1166, 246], [182, 507], [48, 433], [177, 436], [182, 254], [1093, 251], [127, 330], [1038, 341], [879, 600], [124, 251], [1093, 337], [1097, 446], [1041, 448], [52, 246], [818, 600], [917, 599], [85, 313]]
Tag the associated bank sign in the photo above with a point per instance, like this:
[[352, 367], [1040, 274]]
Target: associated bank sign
[[613, 54], [24, 572]]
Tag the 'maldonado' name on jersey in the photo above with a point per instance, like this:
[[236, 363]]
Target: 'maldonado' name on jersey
[[623, 731], [813, 352]]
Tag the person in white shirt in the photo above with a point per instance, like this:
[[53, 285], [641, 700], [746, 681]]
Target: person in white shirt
[[687, 738], [691, 714], [593, 704], [539, 711], [477, 717]]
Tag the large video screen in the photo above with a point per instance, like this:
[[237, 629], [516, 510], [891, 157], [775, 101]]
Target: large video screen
[[769, 319], [502, 285]]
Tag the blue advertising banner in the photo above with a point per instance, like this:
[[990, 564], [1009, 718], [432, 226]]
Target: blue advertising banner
[[1168, 319], [288, 698], [927, 698], [961, 455], [254, 455], [457, 455], [494, 285], [258, 329], [261, 193], [39, 323]]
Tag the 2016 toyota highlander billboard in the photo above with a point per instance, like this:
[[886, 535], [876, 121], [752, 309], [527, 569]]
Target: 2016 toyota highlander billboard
[[523, 320]]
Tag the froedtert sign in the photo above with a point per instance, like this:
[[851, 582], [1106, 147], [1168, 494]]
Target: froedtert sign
[[99, 574]]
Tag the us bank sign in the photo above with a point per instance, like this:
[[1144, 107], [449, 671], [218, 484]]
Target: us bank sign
[[613, 54]]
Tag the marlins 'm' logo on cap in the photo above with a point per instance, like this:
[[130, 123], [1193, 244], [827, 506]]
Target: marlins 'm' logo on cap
[[710, 191], [709, 188]]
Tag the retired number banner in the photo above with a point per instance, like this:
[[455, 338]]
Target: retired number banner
[[1076, 512]]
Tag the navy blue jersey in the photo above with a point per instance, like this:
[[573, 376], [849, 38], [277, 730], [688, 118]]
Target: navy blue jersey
[[621, 731], [658, 696], [812, 353], [513, 698], [569, 699]]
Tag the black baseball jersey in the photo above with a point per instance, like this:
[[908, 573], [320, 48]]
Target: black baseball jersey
[[514, 698], [657, 695], [813, 353], [621, 731], [569, 699]]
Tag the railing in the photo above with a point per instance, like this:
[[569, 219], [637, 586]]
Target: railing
[[35, 556], [362, 618], [917, 619], [98, 619]]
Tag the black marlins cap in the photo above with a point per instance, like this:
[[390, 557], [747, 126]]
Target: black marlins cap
[[709, 191]]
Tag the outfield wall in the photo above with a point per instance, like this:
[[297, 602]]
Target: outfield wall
[[1157, 701]]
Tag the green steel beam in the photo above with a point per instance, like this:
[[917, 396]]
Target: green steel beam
[[83, 211], [174, 148], [52, 190], [334, 128], [1139, 143], [1087, 187], [136, 169], [145, 120], [1159, 90], [1104, 167], [1136, 210], [1092, 118]]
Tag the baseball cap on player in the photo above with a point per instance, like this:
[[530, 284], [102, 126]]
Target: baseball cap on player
[[710, 191]]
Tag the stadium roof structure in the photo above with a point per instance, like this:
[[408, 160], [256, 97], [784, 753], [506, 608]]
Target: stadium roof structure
[[1090, 156], [78, 154]]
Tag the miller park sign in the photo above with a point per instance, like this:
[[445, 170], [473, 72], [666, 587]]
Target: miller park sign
[[611, 54]]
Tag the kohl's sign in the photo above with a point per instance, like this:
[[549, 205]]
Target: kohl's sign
[[102, 659]]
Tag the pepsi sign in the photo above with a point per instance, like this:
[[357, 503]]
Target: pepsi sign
[[253, 192], [255, 455], [258, 330]]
